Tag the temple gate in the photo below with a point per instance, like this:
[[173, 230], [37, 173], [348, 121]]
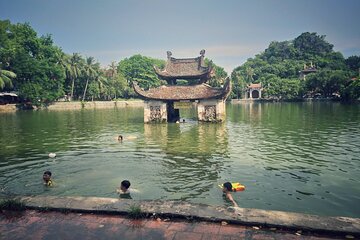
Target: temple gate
[[161, 102]]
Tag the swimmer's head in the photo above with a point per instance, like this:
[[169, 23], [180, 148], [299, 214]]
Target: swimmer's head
[[120, 138], [124, 185], [227, 187], [47, 176]]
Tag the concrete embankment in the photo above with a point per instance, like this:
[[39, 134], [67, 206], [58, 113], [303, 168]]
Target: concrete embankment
[[94, 105], [8, 108], [176, 209], [80, 105]]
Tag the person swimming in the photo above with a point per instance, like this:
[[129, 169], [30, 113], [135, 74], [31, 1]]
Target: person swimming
[[47, 179], [227, 189], [124, 191], [120, 138]]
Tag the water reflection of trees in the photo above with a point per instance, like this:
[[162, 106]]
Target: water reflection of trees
[[194, 156]]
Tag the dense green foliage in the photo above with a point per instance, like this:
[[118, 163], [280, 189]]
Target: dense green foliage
[[219, 74], [40, 72], [278, 67], [140, 69], [33, 59]]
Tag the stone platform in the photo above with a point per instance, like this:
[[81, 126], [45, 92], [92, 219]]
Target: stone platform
[[202, 214], [37, 225]]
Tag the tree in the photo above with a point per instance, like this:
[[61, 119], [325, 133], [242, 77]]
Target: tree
[[33, 59], [219, 74], [278, 67], [76, 68], [238, 83], [112, 69], [353, 63], [140, 69], [309, 45], [326, 82], [90, 72], [97, 88], [249, 71], [6, 78]]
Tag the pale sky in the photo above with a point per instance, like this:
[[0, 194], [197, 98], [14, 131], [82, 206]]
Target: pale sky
[[230, 31]]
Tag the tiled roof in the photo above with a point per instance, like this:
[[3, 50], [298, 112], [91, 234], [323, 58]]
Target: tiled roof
[[255, 85], [309, 70], [185, 68], [191, 92], [4, 94]]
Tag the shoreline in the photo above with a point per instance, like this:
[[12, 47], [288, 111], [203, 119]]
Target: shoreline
[[78, 105], [200, 212]]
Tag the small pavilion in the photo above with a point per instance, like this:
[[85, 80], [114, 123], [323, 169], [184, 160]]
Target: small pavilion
[[307, 70], [162, 104], [253, 91]]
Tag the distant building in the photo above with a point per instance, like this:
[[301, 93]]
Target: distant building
[[253, 91], [307, 70], [6, 98]]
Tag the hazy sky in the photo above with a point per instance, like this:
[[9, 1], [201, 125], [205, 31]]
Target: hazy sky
[[229, 31]]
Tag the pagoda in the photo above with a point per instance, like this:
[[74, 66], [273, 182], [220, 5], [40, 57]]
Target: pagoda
[[162, 103]]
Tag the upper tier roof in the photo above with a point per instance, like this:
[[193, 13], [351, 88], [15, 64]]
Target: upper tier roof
[[184, 68], [191, 92]]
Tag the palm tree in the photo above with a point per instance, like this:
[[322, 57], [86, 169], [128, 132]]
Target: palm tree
[[6, 78], [112, 69], [90, 72], [64, 61], [101, 82], [249, 74], [75, 70]]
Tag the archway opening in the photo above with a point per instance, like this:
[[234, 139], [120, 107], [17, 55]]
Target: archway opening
[[255, 94]]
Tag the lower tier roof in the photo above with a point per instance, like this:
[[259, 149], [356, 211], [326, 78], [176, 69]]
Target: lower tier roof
[[191, 92]]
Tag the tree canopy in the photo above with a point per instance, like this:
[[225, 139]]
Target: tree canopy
[[278, 68]]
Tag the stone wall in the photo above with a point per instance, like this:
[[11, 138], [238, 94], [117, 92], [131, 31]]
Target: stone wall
[[155, 111], [60, 106], [94, 105], [211, 110], [8, 108]]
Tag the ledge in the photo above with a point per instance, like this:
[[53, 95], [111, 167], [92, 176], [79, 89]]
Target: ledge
[[177, 209]]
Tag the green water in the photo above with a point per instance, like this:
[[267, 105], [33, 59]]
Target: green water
[[299, 157]]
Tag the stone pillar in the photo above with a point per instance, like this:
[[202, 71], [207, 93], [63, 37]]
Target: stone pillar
[[155, 111], [259, 93], [212, 110]]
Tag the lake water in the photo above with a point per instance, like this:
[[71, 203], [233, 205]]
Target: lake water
[[299, 157]]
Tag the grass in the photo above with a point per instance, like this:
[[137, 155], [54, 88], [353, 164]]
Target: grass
[[135, 212], [12, 204]]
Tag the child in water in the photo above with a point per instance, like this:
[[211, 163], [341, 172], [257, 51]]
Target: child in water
[[47, 179], [227, 189], [124, 189]]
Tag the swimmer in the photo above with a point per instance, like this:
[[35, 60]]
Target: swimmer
[[124, 187], [47, 179], [120, 138], [227, 189]]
